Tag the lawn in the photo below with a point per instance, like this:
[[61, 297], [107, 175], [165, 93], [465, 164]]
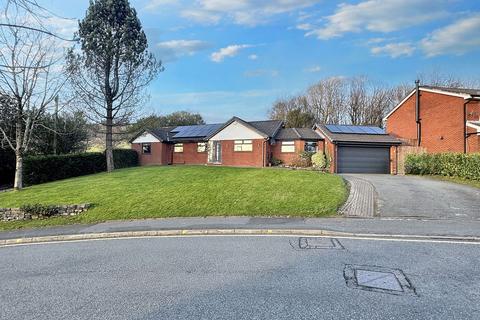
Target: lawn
[[185, 191]]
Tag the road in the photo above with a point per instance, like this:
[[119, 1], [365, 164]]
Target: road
[[243, 277]]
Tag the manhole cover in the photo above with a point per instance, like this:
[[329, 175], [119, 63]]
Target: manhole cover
[[378, 279], [317, 243]]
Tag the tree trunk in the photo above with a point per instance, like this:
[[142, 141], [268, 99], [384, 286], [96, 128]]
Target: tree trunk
[[18, 183], [109, 140]]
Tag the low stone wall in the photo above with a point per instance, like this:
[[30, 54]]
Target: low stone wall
[[15, 214]]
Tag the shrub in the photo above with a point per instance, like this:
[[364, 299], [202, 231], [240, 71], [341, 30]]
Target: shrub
[[275, 162], [306, 156], [319, 160], [40, 169], [466, 166]]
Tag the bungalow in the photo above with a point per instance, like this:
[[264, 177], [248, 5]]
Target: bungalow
[[234, 143], [256, 143]]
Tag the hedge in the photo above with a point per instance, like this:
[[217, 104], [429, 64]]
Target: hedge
[[40, 169], [466, 166], [7, 167]]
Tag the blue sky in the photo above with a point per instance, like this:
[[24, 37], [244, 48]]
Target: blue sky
[[236, 57]]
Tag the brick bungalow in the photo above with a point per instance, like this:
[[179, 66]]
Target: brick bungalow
[[256, 143], [438, 119], [234, 143]]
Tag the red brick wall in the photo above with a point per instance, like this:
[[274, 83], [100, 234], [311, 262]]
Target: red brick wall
[[245, 158], [289, 157], [442, 122], [189, 155], [158, 155]]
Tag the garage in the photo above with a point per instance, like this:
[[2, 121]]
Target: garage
[[359, 149], [363, 159]]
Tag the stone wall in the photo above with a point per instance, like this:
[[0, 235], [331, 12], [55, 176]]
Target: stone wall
[[16, 214]]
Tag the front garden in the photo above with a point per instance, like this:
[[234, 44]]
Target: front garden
[[184, 191]]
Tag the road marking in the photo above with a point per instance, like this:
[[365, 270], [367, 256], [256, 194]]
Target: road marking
[[248, 235]]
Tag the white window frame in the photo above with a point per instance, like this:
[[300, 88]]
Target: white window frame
[[178, 148], [201, 147], [245, 145], [287, 147]]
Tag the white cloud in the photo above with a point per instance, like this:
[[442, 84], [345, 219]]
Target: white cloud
[[379, 16], [155, 4], [243, 12], [457, 38], [253, 57], [394, 50], [230, 51], [305, 26], [173, 49], [313, 69], [261, 73]]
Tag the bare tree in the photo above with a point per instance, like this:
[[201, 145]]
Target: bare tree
[[29, 82]]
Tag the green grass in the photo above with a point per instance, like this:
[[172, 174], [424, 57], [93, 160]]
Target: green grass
[[185, 191]]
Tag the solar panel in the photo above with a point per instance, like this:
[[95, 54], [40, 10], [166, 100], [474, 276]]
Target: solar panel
[[195, 131], [350, 129]]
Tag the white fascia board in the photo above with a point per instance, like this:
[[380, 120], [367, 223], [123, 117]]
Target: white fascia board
[[399, 105]]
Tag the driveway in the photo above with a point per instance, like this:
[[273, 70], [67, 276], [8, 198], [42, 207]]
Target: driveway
[[419, 197]]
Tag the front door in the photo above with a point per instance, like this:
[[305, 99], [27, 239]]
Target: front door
[[215, 152]]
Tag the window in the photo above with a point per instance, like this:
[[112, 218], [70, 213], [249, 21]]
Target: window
[[243, 145], [288, 146], [310, 146], [202, 147], [178, 147], [146, 148]]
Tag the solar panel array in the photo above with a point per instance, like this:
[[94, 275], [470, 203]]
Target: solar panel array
[[195, 131], [354, 129]]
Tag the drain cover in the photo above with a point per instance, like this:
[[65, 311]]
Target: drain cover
[[317, 243], [378, 279]]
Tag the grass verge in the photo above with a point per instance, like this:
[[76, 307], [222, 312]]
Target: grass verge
[[185, 191]]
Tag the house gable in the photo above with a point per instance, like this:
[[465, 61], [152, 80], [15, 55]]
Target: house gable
[[146, 137], [236, 131]]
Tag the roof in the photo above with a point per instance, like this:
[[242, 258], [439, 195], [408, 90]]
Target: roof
[[195, 132], [341, 128], [202, 132], [467, 91], [297, 134], [357, 138], [464, 93], [267, 128]]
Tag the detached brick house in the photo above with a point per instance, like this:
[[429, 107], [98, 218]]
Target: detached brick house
[[438, 119], [234, 143], [350, 149]]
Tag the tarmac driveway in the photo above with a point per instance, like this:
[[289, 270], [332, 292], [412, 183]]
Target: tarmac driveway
[[413, 196]]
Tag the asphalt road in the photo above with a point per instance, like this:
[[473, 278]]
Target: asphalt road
[[235, 278], [419, 197]]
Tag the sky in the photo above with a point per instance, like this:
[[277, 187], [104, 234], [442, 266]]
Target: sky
[[227, 58]]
